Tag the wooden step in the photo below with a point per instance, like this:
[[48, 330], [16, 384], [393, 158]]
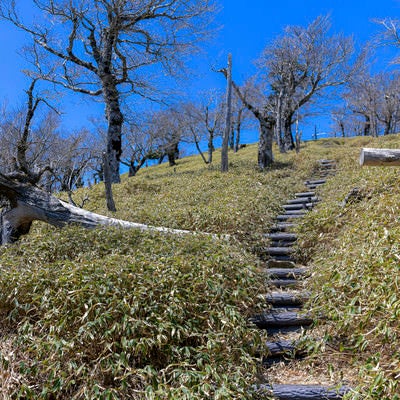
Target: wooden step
[[285, 217], [273, 263], [283, 226], [281, 243], [296, 212], [273, 319], [315, 182], [287, 273], [304, 200], [279, 251], [301, 392], [326, 161], [298, 206], [284, 283], [290, 299], [305, 194], [286, 237], [282, 257]]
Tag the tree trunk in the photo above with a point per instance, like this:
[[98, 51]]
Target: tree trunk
[[265, 155], [173, 154], [197, 144], [238, 130], [367, 126], [279, 123], [28, 203], [115, 120], [228, 122], [210, 146], [107, 184], [288, 141]]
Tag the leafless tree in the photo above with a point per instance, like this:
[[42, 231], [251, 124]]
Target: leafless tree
[[99, 47], [261, 107], [141, 142], [300, 65], [28, 144], [375, 98], [203, 121], [241, 119]]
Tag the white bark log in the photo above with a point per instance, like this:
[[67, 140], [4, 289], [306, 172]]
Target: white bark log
[[379, 157]]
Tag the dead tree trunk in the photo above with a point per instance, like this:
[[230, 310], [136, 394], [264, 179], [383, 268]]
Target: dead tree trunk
[[27, 203], [228, 124]]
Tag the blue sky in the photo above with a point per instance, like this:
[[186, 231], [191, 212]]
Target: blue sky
[[246, 28]]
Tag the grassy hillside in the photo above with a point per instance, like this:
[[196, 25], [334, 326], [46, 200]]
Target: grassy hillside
[[111, 314]]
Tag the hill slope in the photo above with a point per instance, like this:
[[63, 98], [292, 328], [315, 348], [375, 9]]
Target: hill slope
[[123, 314]]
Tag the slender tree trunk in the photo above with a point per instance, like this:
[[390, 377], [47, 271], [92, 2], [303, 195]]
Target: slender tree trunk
[[298, 134], [197, 144], [115, 120], [342, 129], [278, 125], [210, 146], [232, 139], [265, 155], [228, 123]]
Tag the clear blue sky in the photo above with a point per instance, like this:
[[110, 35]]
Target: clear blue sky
[[247, 27]]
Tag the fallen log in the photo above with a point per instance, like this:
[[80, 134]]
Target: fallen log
[[380, 157], [26, 203]]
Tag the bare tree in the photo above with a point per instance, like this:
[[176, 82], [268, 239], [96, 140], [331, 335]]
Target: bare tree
[[375, 99], [202, 121], [261, 108], [301, 64], [27, 144], [98, 47]]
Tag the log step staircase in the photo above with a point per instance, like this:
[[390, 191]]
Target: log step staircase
[[287, 296]]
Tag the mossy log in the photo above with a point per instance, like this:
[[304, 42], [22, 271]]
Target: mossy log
[[380, 157], [24, 203]]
